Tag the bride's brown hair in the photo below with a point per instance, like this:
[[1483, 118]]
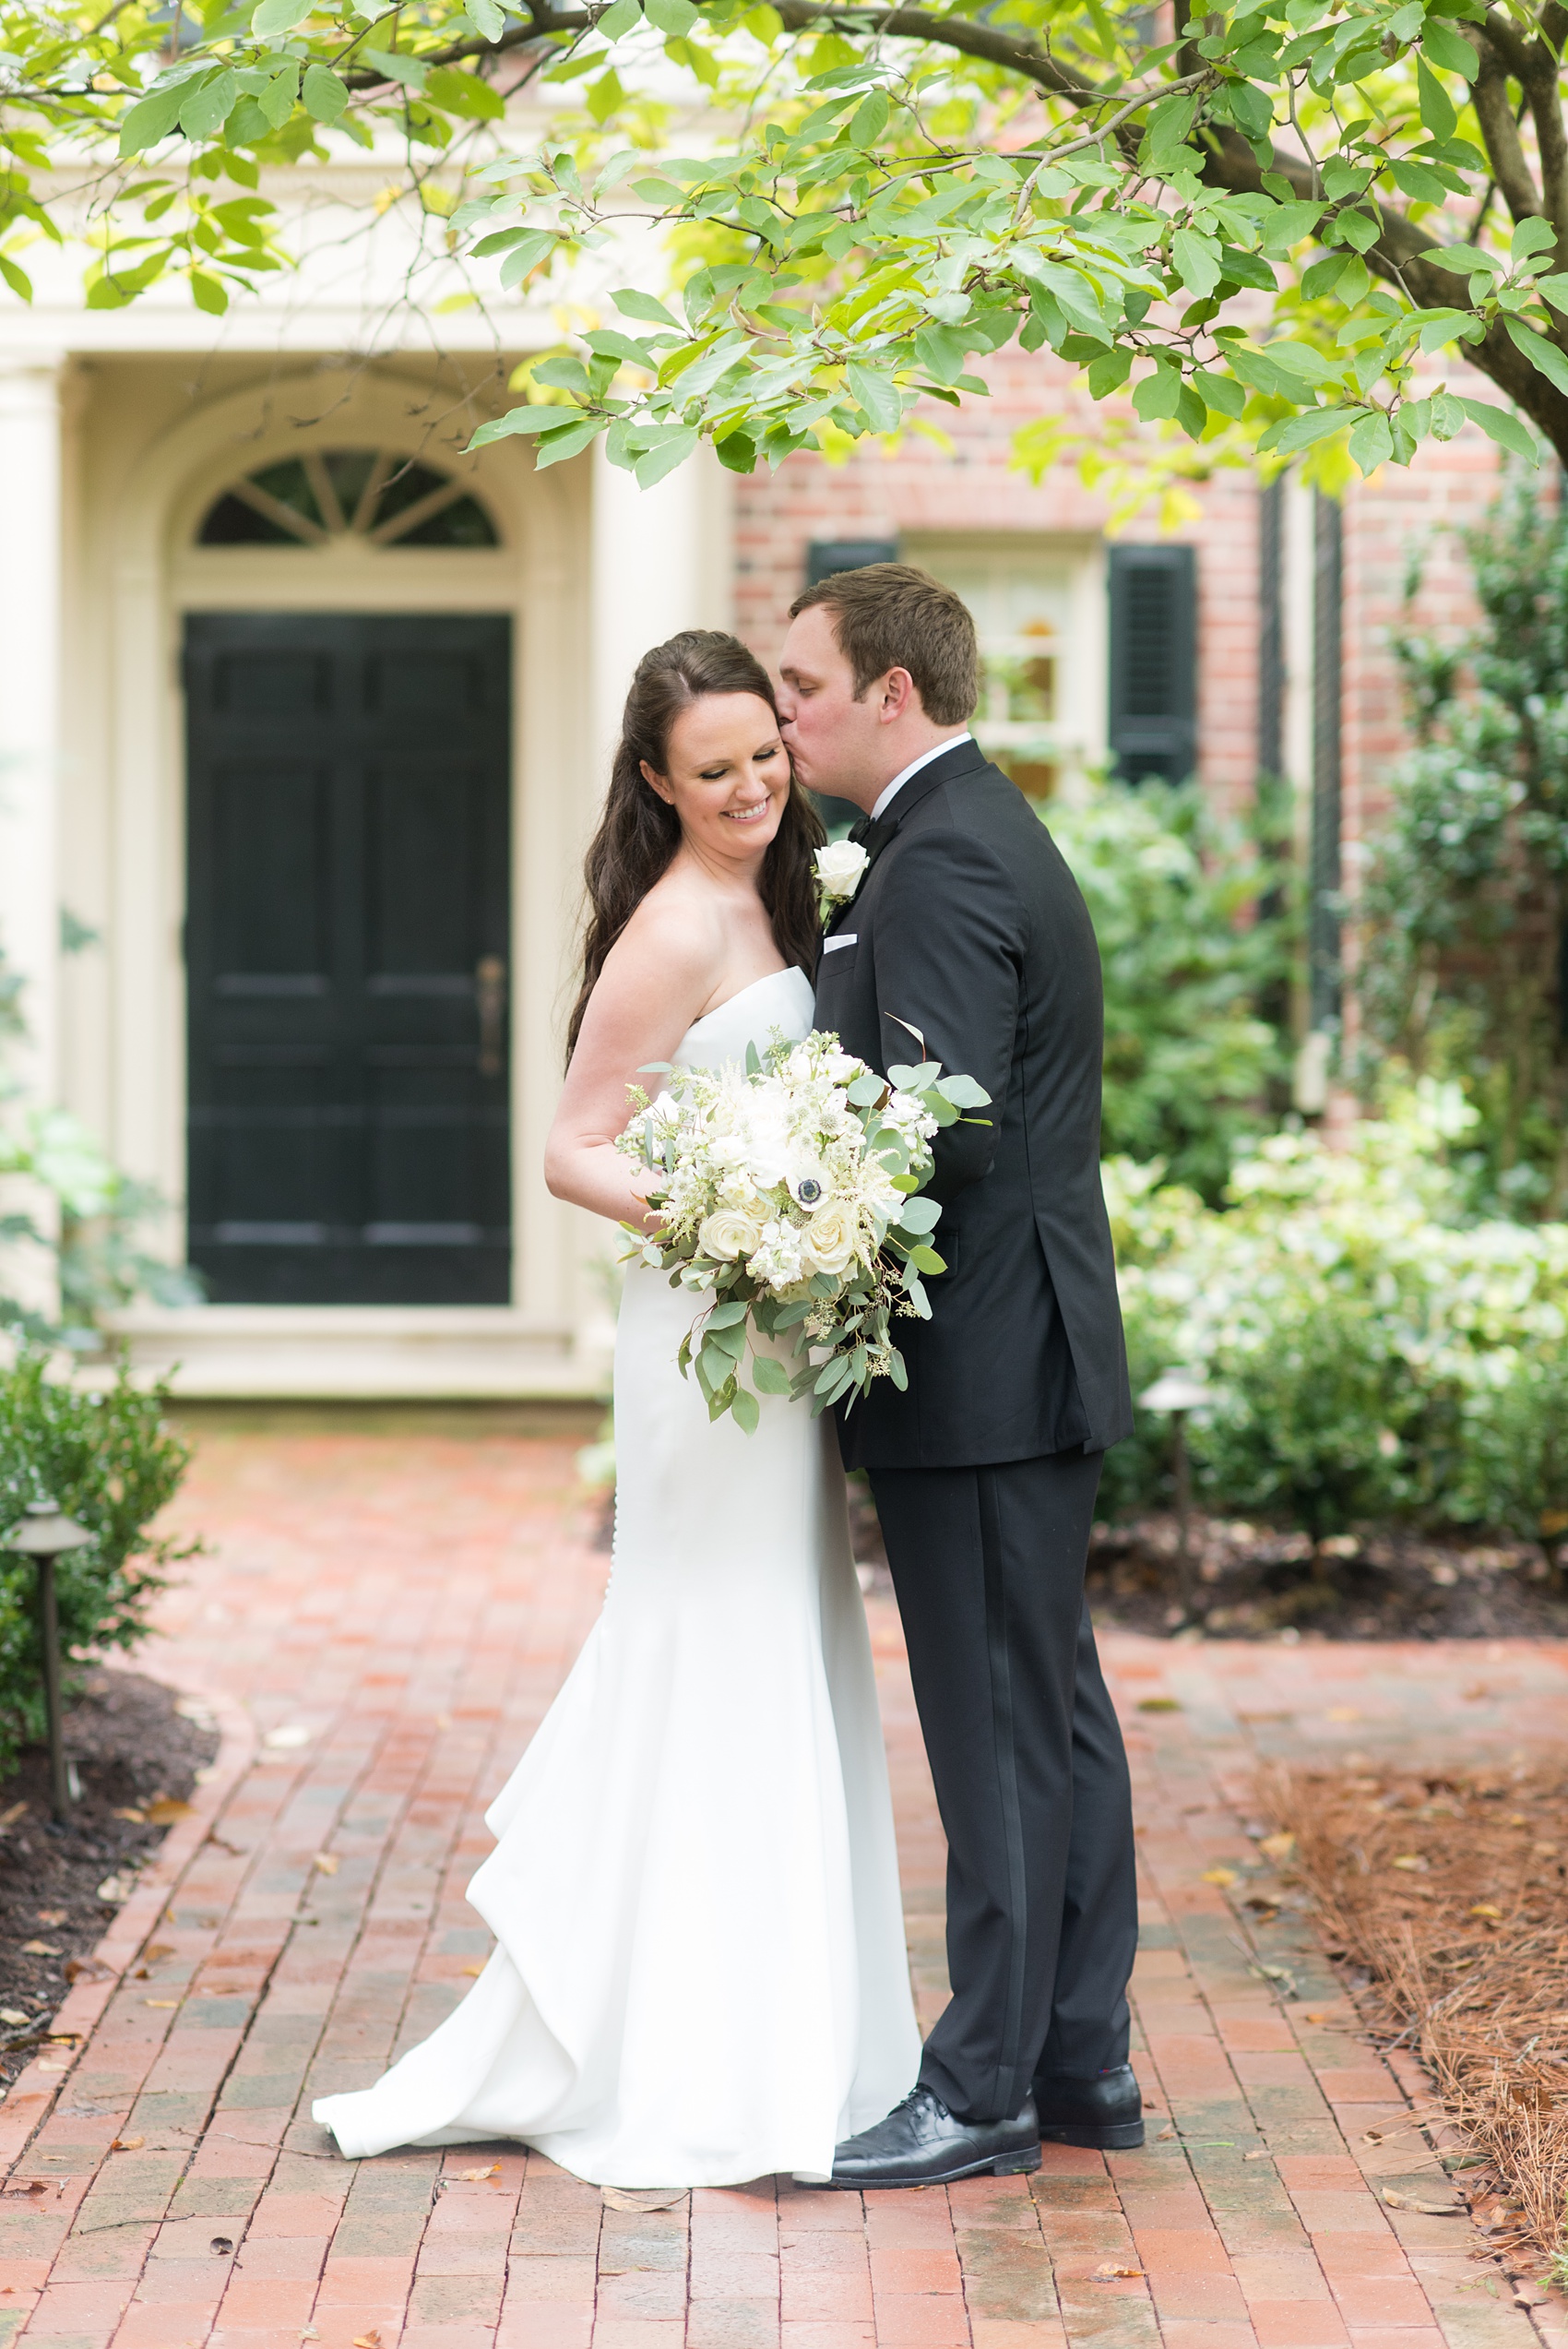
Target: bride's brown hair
[[638, 832]]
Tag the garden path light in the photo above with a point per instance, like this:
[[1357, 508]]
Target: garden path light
[[44, 1534], [1177, 1393]]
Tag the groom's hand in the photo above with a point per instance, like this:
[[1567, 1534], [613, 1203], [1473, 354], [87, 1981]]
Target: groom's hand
[[948, 946]]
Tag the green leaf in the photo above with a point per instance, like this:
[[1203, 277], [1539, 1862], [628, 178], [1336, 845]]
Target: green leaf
[[1417, 180], [919, 1216], [1372, 443], [1197, 262], [671, 452], [928, 1260], [1502, 426], [277, 100], [770, 1375], [745, 1410], [464, 93], [208, 105], [1157, 395], [488, 19], [1223, 395], [152, 117], [671, 16], [279, 16], [1544, 357], [633, 304], [726, 1316], [392, 66], [324, 95], [878, 396], [1447, 48], [18, 279], [526, 256], [1295, 433], [941, 353], [962, 1091], [870, 119], [208, 293], [619, 18], [1531, 236], [553, 447], [1437, 108]]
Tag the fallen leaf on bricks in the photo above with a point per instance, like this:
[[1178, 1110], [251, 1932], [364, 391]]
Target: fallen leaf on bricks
[[1108, 2272], [648, 2197], [160, 2002], [473, 1970], [1277, 1847], [1218, 1875], [41, 1949], [1486, 1910], [166, 1810], [367, 2340], [1397, 2202], [156, 1949], [138, 1818], [115, 1888], [1159, 1704], [1262, 2154], [282, 1740], [1412, 1861], [326, 1863], [126, 2144], [87, 1970], [222, 2245], [474, 2177], [1343, 1712]]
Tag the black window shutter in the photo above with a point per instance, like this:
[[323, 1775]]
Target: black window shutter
[[1153, 661], [826, 555]]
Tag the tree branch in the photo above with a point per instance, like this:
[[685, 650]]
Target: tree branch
[[1395, 257], [1501, 132]]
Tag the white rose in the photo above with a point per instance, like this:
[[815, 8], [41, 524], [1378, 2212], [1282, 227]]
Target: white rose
[[839, 867], [728, 1232], [829, 1239]]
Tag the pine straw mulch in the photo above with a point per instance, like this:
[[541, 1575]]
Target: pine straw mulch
[[1448, 1891]]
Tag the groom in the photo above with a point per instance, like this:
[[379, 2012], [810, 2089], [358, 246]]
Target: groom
[[969, 927]]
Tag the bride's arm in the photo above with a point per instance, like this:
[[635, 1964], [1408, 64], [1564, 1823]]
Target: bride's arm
[[655, 981]]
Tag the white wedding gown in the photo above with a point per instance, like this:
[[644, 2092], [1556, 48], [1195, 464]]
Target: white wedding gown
[[700, 1974]]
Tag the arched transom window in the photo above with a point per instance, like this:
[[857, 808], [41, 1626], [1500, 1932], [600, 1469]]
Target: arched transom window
[[376, 494]]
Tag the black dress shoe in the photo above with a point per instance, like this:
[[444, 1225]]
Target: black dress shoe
[[922, 2143], [1105, 2112]]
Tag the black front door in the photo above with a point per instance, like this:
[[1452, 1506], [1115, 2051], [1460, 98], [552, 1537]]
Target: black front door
[[346, 949]]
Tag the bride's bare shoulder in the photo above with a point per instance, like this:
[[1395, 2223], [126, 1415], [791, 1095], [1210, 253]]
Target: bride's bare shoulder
[[669, 954]]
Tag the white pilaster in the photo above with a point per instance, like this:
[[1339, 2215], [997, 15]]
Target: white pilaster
[[30, 522], [662, 561]]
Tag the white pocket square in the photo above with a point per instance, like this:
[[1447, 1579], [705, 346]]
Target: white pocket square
[[845, 937]]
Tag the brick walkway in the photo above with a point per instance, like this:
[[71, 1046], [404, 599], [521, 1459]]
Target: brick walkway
[[393, 1614]]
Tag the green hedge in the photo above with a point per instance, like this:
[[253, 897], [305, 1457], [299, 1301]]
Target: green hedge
[[1374, 1352], [112, 1462]]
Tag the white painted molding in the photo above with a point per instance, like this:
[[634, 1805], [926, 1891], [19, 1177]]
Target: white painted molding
[[243, 1352]]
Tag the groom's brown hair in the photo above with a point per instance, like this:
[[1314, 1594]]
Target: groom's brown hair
[[890, 616]]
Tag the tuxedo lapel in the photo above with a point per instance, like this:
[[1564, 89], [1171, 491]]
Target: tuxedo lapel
[[964, 759]]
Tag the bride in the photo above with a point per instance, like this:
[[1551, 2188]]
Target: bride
[[699, 1974]]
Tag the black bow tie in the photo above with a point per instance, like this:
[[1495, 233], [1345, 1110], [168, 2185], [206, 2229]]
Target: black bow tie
[[868, 831]]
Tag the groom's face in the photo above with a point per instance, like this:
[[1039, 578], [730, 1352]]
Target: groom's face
[[837, 742]]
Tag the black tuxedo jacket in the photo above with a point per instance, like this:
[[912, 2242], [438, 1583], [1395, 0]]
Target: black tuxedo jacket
[[969, 925]]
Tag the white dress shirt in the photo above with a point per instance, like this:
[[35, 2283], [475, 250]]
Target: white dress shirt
[[914, 766]]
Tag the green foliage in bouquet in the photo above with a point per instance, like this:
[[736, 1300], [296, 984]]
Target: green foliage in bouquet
[[790, 1197], [1376, 1350], [112, 1462]]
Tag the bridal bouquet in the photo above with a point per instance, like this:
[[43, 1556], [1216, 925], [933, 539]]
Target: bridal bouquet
[[790, 1194]]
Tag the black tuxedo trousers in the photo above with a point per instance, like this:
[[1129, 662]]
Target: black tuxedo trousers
[[1029, 1770]]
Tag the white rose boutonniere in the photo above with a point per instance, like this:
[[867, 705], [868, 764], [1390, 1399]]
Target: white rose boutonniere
[[840, 868]]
